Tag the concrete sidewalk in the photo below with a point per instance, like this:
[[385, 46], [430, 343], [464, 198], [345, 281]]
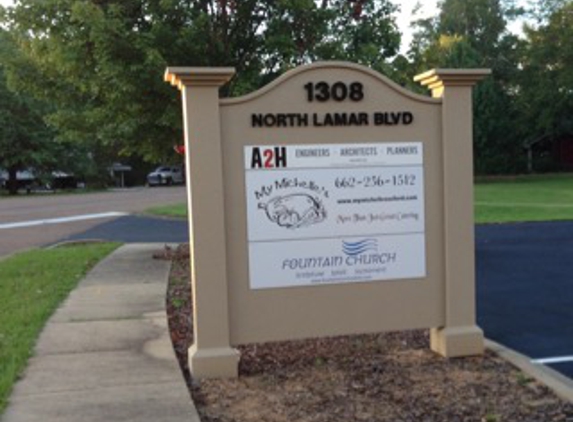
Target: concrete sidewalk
[[106, 355]]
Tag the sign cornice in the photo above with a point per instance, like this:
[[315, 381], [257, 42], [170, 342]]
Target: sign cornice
[[437, 79], [198, 76]]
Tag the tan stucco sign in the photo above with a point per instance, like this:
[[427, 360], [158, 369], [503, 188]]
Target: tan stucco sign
[[331, 201]]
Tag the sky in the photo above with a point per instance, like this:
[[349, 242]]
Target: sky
[[429, 8]]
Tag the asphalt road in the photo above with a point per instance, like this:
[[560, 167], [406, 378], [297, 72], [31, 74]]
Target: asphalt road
[[38, 212], [525, 288]]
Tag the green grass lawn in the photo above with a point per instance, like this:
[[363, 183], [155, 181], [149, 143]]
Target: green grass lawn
[[522, 198], [526, 198], [176, 210], [32, 285]]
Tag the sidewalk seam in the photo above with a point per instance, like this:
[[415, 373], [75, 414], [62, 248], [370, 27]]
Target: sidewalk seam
[[108, 387]]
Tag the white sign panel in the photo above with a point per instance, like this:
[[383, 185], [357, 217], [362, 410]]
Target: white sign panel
[[334, 213]]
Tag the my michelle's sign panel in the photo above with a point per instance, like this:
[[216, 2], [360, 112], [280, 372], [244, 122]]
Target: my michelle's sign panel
[[335, 213], [334, 192]]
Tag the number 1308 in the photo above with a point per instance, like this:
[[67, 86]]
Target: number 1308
[[338, 91]]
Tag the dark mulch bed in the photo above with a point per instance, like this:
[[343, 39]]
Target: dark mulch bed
[[382, 377]]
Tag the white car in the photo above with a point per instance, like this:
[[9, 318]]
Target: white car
[[165, 175]]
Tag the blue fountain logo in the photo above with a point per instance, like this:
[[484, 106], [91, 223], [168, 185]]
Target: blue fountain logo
[[359, 247]]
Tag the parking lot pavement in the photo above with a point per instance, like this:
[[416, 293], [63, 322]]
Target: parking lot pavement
[[525, 289], [138, 229]]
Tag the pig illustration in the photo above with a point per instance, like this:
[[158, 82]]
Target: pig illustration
[[295, 210]]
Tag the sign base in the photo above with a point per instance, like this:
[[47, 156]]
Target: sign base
[[453, 342], [214, 362]]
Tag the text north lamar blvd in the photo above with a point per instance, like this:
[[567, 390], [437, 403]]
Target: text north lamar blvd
[[384, 118]]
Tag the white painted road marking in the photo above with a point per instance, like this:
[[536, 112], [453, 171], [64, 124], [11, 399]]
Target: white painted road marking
[[560, 359], [61, 220]]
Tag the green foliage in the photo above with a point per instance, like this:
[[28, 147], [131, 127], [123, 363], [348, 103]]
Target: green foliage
[[26, 141], [472, 34], [100, 62], [523, 379], [89, 59], [481, 22], [24, 138], [33, 284], [546, 97], [529, 95], [490, 417]]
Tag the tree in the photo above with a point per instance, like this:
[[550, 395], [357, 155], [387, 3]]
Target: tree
[[24, 138], [480, 22], [541, 10], [546, 82], [100, 62], [472, 33]]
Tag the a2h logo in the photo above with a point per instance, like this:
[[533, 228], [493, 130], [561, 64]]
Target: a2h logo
[[268, 158]]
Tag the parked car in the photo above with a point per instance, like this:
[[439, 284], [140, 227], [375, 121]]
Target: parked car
[[165, 175], [29, 180], [24, 178]]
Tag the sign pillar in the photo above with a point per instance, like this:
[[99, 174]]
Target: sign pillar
[[211, 355], [460, 336]]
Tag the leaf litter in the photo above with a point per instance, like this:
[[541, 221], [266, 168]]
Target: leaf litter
[[392, 377]]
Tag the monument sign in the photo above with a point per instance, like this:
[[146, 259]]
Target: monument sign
[[330, 202]]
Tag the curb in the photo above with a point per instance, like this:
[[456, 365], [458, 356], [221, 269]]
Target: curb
[[54, 246], [75, 242], [159, 216], [558, 383]]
